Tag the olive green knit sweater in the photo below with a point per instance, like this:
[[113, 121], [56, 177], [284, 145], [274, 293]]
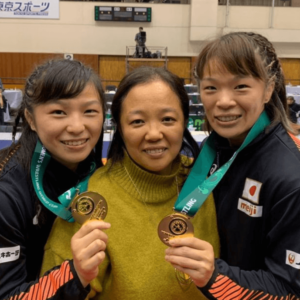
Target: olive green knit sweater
[[135, 267]]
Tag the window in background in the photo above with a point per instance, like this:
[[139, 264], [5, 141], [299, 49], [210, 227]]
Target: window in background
[[257, 2]]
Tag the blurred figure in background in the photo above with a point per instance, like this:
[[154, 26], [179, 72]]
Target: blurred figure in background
[[294, 108]]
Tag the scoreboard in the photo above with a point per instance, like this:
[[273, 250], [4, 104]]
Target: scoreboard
[[123, 14]]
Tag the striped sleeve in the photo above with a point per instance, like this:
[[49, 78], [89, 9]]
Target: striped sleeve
[[59, 283], [223, 287], [296, 140]]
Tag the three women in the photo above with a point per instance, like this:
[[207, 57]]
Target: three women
[[254, 167]]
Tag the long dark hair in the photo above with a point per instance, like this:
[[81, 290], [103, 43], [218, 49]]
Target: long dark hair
[[53, 80], [144, 75], [248, 53]]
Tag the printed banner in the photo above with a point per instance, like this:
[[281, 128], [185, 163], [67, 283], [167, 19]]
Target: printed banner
[[30, 9]]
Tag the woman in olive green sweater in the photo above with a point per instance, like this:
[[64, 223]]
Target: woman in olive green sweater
[[141, 182]]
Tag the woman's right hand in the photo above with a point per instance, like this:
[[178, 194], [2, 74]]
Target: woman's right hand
[[88, 248]]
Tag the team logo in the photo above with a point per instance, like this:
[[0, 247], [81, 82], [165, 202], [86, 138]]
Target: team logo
[[252, 190], [178, 226], [293, 259], [213, 169], [250, 209]]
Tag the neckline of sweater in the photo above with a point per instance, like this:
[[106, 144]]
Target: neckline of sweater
[[146, 186]]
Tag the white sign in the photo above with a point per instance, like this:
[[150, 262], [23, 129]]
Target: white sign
[[30, 9], [9, 254]]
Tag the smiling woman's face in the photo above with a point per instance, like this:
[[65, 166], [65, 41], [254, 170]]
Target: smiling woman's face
[[69, 128], [152, 126], [232, 103]]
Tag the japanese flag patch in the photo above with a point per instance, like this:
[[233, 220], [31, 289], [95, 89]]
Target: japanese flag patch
[[251, 190]]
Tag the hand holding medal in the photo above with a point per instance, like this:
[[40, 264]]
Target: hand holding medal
[[89, 243], [192, 257], [88, 246], [197, 258], [172, 227]]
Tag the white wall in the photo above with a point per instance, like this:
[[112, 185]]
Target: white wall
[[283, 31], [181, 28], [77, 32]]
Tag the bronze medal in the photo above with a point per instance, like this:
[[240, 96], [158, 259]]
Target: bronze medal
[[88, 206], [175, 226]]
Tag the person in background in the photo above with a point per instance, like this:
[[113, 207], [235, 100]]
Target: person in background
[[253, 164], [294, 108], [62, 114], [141, 181], [2, 106], [140, 40]]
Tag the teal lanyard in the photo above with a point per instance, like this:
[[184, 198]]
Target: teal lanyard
[[39, 162], [190, 202]]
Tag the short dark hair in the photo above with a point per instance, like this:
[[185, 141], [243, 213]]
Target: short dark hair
[[53, 80], [144, 75], [248, 53]]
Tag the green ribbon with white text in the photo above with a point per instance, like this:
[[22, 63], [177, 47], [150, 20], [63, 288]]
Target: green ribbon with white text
[[39, 162], [190, 202]]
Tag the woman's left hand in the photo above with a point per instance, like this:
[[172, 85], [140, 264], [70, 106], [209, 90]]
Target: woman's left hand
[[193, 257]]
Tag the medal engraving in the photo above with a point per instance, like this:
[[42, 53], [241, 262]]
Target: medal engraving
[[84, 205], [178, 226], [88, 206], [175, 226]]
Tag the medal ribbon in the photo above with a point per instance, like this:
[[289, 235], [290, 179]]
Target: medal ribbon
[[39, 162], [190, 202]]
